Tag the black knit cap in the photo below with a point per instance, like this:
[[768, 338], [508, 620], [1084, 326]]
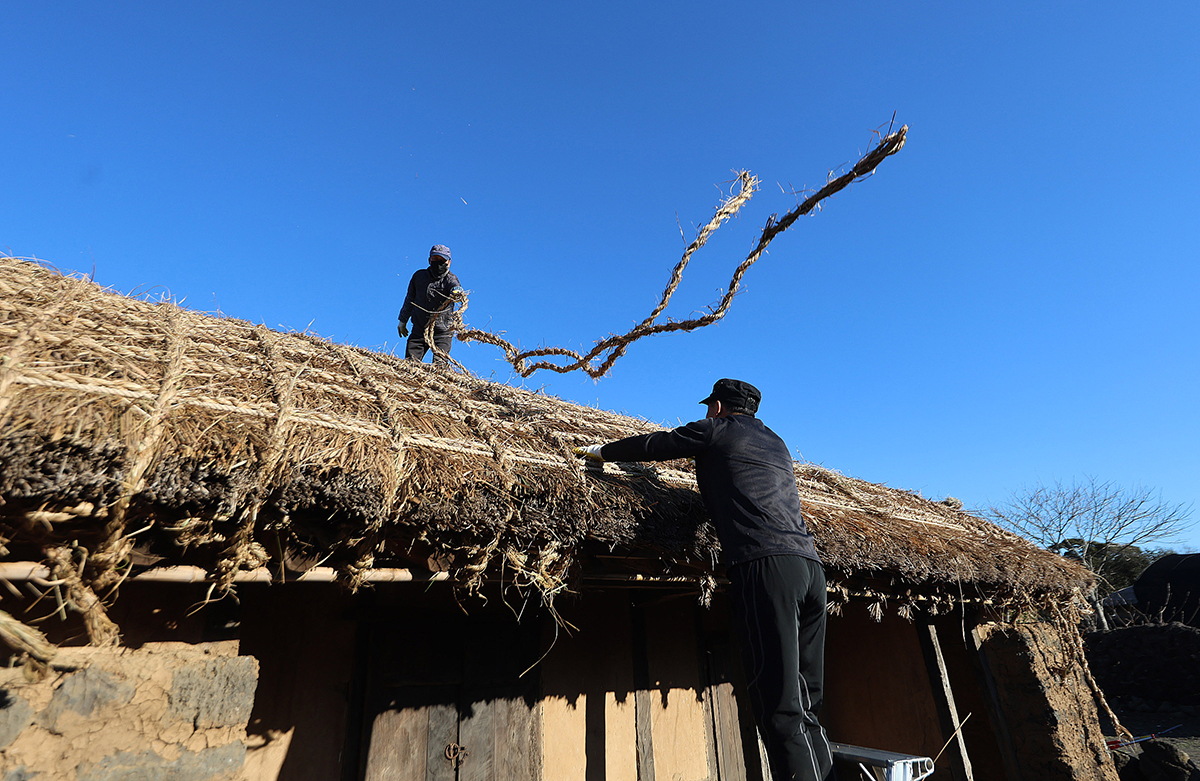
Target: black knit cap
[[740, 396]]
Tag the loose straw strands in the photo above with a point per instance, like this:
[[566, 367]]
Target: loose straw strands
[[608, 350]]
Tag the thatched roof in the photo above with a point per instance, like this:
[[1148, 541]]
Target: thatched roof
[[129, 426]]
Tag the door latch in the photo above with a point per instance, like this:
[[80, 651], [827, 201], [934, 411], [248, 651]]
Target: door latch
[[456, 755]]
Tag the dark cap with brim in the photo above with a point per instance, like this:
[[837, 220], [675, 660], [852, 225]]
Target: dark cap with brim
[[739, 396]]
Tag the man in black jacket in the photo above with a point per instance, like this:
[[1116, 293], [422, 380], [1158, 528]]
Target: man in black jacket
[[744, 472], [429, 294]]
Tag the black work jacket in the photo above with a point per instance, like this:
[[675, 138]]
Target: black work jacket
[[744, 472], [427, 295]]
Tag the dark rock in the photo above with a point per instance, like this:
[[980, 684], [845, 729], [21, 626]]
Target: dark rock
[[84, 692], [15, 715], [215, 693], [1162, 761], [1127, 767], [148, 766], [1165, 751], [19, 774]]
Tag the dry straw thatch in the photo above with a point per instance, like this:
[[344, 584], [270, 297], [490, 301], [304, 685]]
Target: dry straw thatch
[[131, 428]]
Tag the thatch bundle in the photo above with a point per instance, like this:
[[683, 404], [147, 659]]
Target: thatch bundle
[[131, 428]]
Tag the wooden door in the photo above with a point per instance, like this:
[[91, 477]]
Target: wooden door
[[446, 700]]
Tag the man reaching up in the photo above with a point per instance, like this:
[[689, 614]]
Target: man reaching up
[[744, 471]]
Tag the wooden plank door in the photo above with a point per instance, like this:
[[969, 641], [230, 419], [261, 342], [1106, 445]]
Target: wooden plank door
[[501, 737], [446, 700], [408, 739], [451, 738], [498, 706]]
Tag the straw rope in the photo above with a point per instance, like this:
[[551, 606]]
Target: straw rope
[[607, 351], [23, 338], [399, 435], [479, 556], [99, 386], [564, 447], [398, 475], [25, 639], [141, 454], [1066, 622], [243, 553], [102, 387], [67, 565]]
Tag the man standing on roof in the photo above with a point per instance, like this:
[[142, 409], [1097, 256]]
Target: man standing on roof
[[430, 294], [744, 472]]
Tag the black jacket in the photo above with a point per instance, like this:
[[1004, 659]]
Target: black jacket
[[427, 295], [744, 472]]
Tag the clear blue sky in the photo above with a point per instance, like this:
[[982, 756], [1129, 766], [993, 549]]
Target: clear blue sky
[[1012, 298]]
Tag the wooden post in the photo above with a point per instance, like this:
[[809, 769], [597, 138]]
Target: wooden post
[[960, 762], [642, 694]]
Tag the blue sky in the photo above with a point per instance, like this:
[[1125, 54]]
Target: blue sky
[[1011, 299]]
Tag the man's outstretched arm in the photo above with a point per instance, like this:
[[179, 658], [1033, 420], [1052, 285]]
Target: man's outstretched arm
[[683, 442]]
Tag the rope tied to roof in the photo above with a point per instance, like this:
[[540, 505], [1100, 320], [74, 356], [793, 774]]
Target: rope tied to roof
[[243, 553], [141, 453]]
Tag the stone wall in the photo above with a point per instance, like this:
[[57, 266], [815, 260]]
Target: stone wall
[[1149, 666], [163, 711]]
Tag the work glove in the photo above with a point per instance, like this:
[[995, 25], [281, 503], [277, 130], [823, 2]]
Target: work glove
[[590, 452], [402, 328]]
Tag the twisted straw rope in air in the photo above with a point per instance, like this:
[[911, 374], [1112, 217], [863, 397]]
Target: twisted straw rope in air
[[615, 346]]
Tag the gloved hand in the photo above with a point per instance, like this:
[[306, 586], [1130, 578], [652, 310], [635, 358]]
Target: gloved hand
[[590, 452], [402, 328]]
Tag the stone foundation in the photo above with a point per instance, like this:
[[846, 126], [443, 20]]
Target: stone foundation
[[163, 711]]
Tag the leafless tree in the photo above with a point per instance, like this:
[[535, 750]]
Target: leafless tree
[[1092, 522]]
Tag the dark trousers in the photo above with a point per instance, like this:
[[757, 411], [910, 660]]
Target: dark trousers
[[416, 348], [779, 610]]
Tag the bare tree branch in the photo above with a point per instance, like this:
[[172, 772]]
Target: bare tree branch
[[1092, 520]]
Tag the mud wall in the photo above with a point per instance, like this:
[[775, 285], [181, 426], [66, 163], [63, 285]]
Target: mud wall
[[165, 710], [1046, 704]]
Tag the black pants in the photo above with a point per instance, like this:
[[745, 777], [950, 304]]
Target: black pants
[[416, 347], [779, 610]]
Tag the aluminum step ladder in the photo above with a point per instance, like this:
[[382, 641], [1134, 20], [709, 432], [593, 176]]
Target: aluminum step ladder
[[881, 765]]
